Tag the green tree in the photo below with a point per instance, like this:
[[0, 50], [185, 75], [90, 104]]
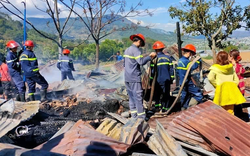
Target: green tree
[[230, 47], [199, 18], [89, 53], [76, 53], [109, 48]]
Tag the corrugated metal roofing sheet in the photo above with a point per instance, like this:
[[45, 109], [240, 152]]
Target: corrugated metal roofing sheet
[[17, 112], [82, 139], [210, 127], [164, 144]]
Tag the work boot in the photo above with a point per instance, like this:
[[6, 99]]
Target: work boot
[[32, 97], [17, 97], [22, 98], [43, 94]]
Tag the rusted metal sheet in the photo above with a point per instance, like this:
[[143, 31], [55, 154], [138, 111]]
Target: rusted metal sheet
[[134, 131], [210, 127], [196, 150], [82, 139], [13, 112], [164, 144], [12, 150], [118, 67]]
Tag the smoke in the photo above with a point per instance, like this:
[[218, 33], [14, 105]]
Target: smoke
[[51, 73]]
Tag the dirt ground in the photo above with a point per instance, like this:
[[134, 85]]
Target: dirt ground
[[245, 56]]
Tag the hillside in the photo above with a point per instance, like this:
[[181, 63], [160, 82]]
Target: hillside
[[79, 31]]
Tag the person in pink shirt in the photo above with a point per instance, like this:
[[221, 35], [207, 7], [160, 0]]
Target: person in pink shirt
[[234, 57], [6, 80]]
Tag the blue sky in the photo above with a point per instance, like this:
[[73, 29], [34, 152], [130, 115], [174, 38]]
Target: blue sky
[[160, 18]]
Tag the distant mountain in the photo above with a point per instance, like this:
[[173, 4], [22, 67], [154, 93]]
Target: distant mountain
[[240, 34], [79, 31]]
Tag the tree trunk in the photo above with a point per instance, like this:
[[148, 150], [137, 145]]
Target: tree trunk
[[97, 55], [214, 50], [60, 48]]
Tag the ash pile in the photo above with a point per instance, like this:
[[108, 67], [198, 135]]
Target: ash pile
[[88, 99]]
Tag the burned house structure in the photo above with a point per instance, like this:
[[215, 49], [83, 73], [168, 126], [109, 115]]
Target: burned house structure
[[83, 117]]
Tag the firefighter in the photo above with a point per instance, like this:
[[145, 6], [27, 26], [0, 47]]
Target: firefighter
[[14, 67], [132, 62], [31, 72], [65, 65], [190, 89], [164, 76]]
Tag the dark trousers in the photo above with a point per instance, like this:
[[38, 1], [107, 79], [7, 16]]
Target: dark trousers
[[38, 78], [189, 91], [67, 74], [19, 83], [162, 94], [134, 90], [7, 87]]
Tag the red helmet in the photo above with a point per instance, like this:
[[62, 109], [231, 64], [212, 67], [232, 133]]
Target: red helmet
[[158, 45], [140, 36], [66, 51], [189, 47], [12, 44], [29, 43]]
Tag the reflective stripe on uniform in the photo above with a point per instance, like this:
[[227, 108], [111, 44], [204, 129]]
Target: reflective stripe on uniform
[[132, 112], [172, 76], [11, 60], [64, 61], [133, 57], [165, 108], [28, 59], [162, 63], [185, 68], [182, 63], [163, 58], [31, 93], [35, 69], [157, 105], [141, 113], [151, 77]]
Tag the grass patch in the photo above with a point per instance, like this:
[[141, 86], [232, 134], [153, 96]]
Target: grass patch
[[209, 57], [103, 66]]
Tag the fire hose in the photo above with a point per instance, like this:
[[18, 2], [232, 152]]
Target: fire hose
[[182, 86], [149, 104]]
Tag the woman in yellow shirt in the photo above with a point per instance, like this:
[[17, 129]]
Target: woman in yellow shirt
[[223, 77]]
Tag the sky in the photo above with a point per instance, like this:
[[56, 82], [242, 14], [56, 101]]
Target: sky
[[160, 19]]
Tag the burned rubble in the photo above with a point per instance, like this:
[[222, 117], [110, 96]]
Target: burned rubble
[[83, 117]]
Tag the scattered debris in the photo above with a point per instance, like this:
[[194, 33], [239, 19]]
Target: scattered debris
[[83, 139], [210, 127], [164, 144], [12, 113], [83, 117]]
